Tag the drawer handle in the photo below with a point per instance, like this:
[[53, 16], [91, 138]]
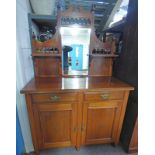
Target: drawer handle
[[55, 98], [105, 96]]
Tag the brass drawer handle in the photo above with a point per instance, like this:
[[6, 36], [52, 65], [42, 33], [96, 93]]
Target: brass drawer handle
[[55, 98], [105, 96]]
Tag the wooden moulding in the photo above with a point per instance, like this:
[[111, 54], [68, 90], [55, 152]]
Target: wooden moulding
[[78, 12], [75, 12]]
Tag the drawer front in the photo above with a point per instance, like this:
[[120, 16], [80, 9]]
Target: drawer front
[[55, 97], [100, 96]]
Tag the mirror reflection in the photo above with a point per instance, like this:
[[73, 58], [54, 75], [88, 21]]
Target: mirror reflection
[[75, 45]]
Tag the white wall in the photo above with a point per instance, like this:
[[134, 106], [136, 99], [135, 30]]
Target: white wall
[[44, 7], [35, 29], [24, 67]]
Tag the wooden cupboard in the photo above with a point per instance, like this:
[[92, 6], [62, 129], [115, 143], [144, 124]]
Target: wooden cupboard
[[74, 117], [74, 110]]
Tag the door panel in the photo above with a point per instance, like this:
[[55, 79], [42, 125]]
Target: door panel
[[97, 129], [100, 122], [56, 124]]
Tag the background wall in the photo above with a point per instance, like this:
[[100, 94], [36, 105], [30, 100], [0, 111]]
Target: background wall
[[24, 67], [20, 148]]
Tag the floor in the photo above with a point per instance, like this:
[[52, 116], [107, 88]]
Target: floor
[[106, 149]]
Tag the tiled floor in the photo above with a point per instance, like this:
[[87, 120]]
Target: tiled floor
[[87, 150]]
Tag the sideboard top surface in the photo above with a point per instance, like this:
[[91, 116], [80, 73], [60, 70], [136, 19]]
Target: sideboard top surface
[[45, 85]]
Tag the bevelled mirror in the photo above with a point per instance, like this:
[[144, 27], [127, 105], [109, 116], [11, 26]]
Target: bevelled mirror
[[75, 50]]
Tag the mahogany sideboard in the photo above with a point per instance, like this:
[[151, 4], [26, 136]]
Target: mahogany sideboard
[[75, 111], [66, 110]]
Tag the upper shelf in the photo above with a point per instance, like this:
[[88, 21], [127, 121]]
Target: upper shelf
[[42, 18], [45, 54], [103, 55]]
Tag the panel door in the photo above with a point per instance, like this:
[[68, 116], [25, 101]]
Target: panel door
[[56, 124], [100, 122]]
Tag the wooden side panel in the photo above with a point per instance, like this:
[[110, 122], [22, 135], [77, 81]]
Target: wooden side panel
[[122, 113], [100, 66], [32, 124], [133, 146], [47, 66]]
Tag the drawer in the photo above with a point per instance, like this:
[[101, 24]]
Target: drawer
[[55, 97], [100, 96]]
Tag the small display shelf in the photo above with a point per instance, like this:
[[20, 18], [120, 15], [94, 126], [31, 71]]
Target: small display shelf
[[46, 54], [101, 51], [103, 55]]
